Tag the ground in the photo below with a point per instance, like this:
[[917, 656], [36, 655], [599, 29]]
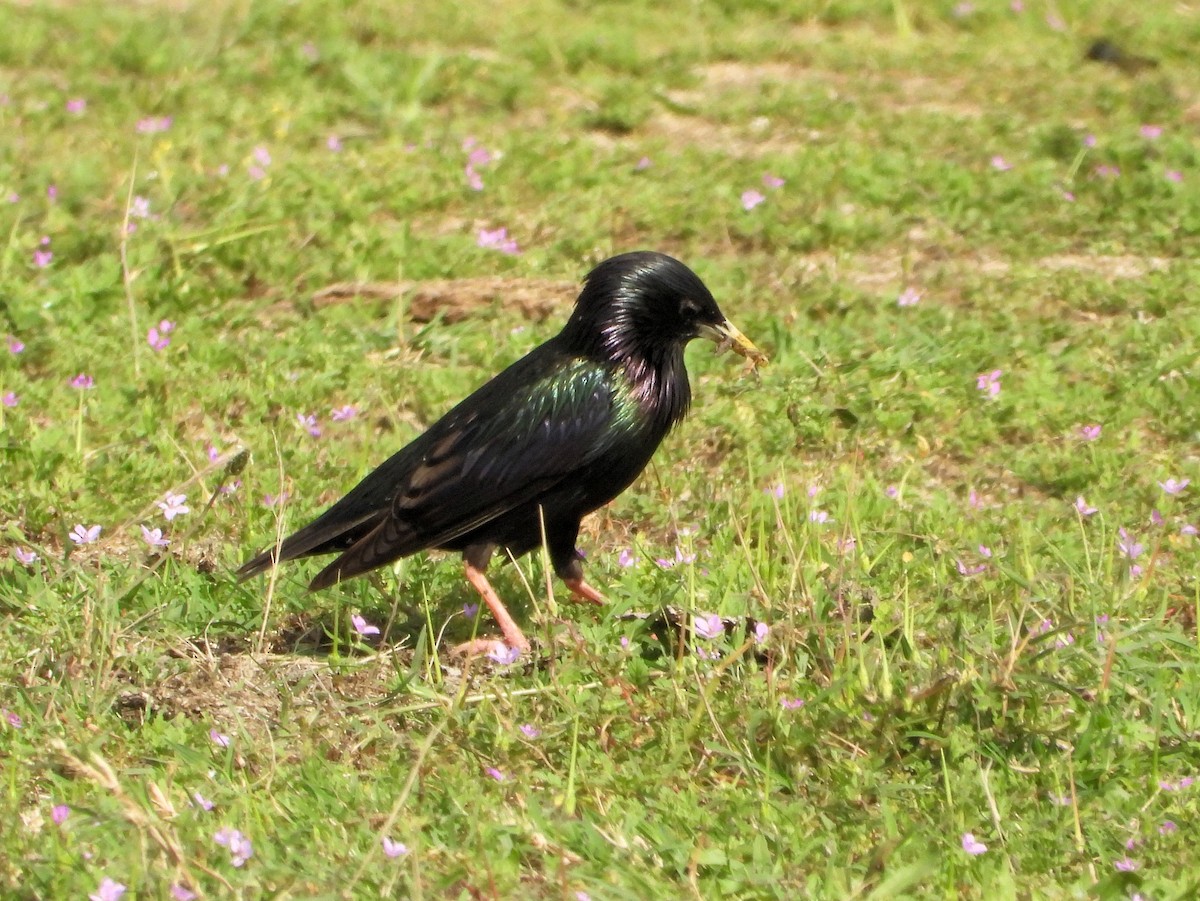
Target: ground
[[253, 249]]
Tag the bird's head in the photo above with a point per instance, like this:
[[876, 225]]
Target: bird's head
[[643, 307]]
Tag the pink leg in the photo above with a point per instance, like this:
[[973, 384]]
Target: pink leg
[[512, 632], [583, 591]]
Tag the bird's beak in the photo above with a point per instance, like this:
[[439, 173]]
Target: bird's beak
[[726, 334]]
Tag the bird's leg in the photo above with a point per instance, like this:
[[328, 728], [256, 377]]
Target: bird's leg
[[583, 591], [512, 632]]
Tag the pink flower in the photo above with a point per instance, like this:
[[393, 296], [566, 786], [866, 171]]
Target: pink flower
[[1089, 432], [751, 199], [84, 534], [1125, 865], [109, 890], [42, 258], [761, 631], [1106, 171], [76, 105], [341, 414], [1000, 164], [504, 655], [393, 849], [334, 143], [989, 382], [1082, 507], [59, 814], [156, 339], [239, 846], [1174, 175], [181, 892], [474, 179], [262, 156], [626, 558], [1151, 132], [9, 399], [1174, 486], [773, 181], [174, 505], [495, 774], [309, 422], [791, 703], [201, 801], [154, 537], [642, 164], [497, 239], [220, 739], [531, 732], [972, 845], [153, 124], [83, 381], [25, 556], [362, 627], [708, 625], [15, 345], [909, 297]]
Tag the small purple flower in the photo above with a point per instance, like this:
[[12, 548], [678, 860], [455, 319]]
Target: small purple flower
[[847, 545], [1042, 628], [469, 610], [773, 181], [153, 124], [262, 156], [761, 631], [820, 517], [909, 297], [362, 627], [59, 813], [83, 381], [42, 258], [1089, 141], [1125, 865], [751, 199], [627, 558], [791, 703], [82, 534], [974, 501], [1068, 196], [154, 537], [479, 157], [272, 500], [210, 451], [972, 845], [10, 399], [25, 556], [76, 105], [1188, 529], [1000, 164], [989, 382], [1156, 518], [393, 849], [334, 143], [968, 571], [239, 846], [140, 208], [1017, 6], [308, 421], [530, 731], [1106, 171], [474, 179], [12, 718], [15, 345], [708, 625], [497, 239], [51, 195], [156, 339], [1167, 827], [1173, 175], [1082, 507], [1064, 640], [642, 164], [1128, 546], [181, 892], [776, 491], [1151, 132], [1089, 432], [1174, 486], [173, 505], [1060, 800], [892, 491], [504, 655], [495, 774], [219, 739], [201, 801], [109, 890], [985, 551], [343, 413]]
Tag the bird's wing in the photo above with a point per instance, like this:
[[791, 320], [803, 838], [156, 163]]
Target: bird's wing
[[500, 448]]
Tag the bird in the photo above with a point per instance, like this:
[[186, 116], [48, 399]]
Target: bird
[[556, 435]]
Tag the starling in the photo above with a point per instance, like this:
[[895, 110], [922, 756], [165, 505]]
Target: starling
[[556, 435]]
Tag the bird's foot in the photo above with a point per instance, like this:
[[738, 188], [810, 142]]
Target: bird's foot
[[495, 649], [582, 591]]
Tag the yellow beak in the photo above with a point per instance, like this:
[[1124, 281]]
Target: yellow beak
[[727, 335]]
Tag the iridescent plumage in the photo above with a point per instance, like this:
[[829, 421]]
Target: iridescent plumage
[[554, 436]]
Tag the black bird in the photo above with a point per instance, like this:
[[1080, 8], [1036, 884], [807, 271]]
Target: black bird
[[554, 436]]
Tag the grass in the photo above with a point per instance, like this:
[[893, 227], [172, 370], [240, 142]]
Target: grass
[[953, 648]]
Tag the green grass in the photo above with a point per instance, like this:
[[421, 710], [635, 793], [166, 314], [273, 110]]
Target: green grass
[[1000, 702]]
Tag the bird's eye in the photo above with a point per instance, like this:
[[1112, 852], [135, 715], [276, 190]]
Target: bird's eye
[[689, 308]]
